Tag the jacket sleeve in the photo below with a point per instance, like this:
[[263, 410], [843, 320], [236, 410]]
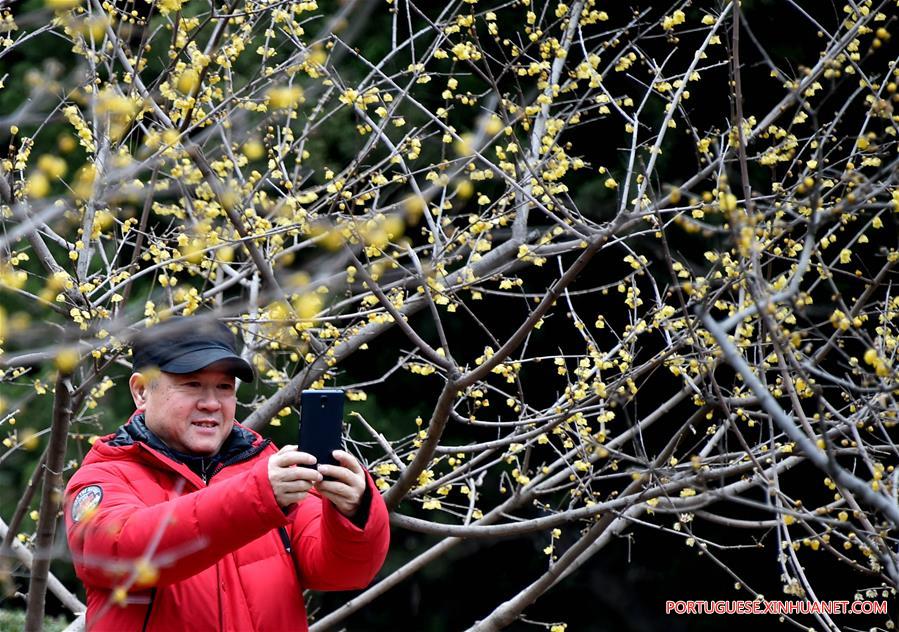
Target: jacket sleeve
[[164, 543], [331, 552]]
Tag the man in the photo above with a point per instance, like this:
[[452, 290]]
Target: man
[[185, 520]]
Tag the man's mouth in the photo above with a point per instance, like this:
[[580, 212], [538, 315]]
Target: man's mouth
[[204, 424]]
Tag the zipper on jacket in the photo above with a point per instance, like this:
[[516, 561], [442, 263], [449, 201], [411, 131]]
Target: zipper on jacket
[[205, 469], [149, 609], [285, 540]]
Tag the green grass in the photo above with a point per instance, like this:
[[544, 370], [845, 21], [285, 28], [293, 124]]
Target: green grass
[[14, 621]]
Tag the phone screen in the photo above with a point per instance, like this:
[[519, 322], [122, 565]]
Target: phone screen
[[321, 423]]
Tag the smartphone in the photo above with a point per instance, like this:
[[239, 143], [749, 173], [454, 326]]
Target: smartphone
[[321, 423]]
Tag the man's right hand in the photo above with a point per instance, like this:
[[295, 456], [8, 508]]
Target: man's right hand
[[290, 483]]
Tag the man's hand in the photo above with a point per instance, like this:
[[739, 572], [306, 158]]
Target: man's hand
[[289, 483], [348, 485]]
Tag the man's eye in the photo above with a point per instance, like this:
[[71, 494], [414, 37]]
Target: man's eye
[[192, 384], [226, 387]]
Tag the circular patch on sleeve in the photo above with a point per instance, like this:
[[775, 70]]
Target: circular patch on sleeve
[[86, 502]]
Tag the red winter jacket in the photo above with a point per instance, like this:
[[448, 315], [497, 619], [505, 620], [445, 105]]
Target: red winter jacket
[[162, 550]]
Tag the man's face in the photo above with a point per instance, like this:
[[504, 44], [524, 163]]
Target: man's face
[[190, 412]]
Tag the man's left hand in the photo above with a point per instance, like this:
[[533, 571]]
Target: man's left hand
[[346, 489]]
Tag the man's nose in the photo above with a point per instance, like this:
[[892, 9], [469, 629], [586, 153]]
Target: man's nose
[[209, 400]]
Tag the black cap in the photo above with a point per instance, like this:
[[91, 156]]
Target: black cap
[[184, 344]]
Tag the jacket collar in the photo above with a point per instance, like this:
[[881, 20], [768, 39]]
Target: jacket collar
[[240, 445]]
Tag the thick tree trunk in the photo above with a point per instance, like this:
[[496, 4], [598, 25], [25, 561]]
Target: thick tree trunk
[[51, 500]]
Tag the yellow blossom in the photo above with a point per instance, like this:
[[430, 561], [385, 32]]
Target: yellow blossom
[[37, 185], [188, 81], [62, 5], [66, 360], [285, 97], [676, 18], [169, 6], [52, 166]]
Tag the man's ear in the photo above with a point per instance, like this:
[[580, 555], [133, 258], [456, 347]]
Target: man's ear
[[138, 385]]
